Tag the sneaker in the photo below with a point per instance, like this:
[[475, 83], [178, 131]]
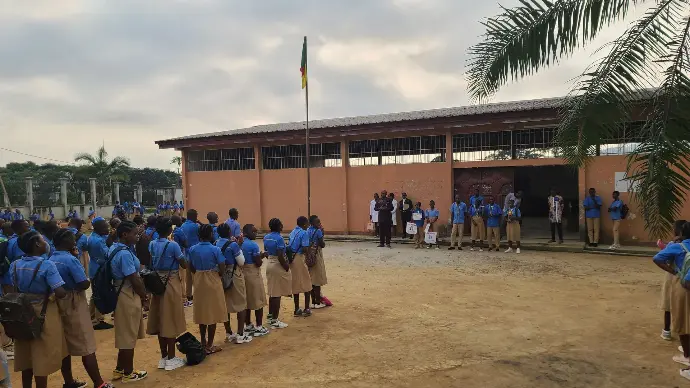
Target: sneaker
[[680, 349], [681, 359], [685, 373], [298, 313], [118, 374], [261, 331], [161, 363], [277, 324], [666, 336], [459, 248], [75, 384], [230, 337], [481, 250], [451, 248], [508, 250], [306, 313], [188, 303], [471, 249], [174, 363], [595, 245], [552, 241], [318, 306], [102, 326], [428, 247], [560, 242], [250, 328], [517, 250], [244, 338], [106, 385], [389, 246], [437, 247], [136, 375], [612, 247]]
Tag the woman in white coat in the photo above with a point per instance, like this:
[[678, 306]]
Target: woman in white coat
[[373, 214]]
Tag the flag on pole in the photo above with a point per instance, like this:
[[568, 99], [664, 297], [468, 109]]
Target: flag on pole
[[303, 67]]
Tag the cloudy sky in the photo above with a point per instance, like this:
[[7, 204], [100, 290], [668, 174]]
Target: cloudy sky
[[78, 73]]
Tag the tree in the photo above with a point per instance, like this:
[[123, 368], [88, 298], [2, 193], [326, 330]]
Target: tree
[[178, 161], [102, 169], [538, 33]]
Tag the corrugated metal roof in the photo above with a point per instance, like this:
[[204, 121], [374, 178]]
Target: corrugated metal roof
[[512, 106]]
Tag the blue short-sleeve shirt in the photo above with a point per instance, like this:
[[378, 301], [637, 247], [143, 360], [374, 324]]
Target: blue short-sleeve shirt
[[250, 250], [231, 251], [616, 210], [13, 254], [125, 262], [493, 215], [47, 278], [165, 258], [215, 232], [299, 238], [98, 252], [151, 232], [274, 243], [431, 213], [673, 253], [514, 211], [191, 233], [458, 212], [315, 235], [235, 228], [82, 242], [589, 202], [474, 198], [70, 269], [477, 211], [205, 256], [419, 222]]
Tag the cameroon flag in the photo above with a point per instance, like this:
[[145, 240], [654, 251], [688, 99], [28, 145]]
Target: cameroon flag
[[303, 67]]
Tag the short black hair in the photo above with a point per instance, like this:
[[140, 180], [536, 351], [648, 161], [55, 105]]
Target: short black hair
[[247, 228], [39, 225], [151, 221], [233, 213], [211, 215], [223, 230], [678, 227], [686, 230], [206, 232], [50, 228], [76, 222], [617, 192], [27, 240], [164, 227], [312, 218], [61, 235], [274, 225], [125, 227], [176, 220], [139, 220], [192, 214], [302, 220], [17, 225]]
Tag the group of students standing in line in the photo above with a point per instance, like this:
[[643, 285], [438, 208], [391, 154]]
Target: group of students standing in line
[[55, 261]]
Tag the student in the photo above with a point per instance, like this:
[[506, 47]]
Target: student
[[235, 228], [97, 247], [38, 358], [615, 213], [181, 240], [129, 312], [150, 230], [373, 214], [592, 205], [74, 309], [212, 218], [190, 228], [477, 197], [493, 215], [477, 228], [14, 252], [166, 313], [278, 275], [207, 264], [513, 215], [82, 241], [556, 206], [667, 284], [301, 279], [318, 270], [254, 282], [406, 213], [431, 215], [235, 297], [176, 209], [457, 211], [418, 219], [48, 230]]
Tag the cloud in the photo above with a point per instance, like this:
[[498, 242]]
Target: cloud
[[77, 73]]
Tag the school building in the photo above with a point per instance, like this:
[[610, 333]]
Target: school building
[[432, 154]]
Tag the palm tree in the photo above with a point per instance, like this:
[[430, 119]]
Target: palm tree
[[103, 169], [177, 160], [649, 62]]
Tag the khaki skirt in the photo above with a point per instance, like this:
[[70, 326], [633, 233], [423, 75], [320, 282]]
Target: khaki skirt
[[665, 302], [236, 297], [166, 313], [680, 308], [43, 355], [477, 229], [301, 281], [129, 319], [279, 280], [318, 271], [513, 231], [76, 324], [209, 299], [254, 284]]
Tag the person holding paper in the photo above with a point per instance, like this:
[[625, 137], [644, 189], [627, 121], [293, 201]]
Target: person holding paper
[[418, 219], [406, 212], [432, 215], [556, 206]]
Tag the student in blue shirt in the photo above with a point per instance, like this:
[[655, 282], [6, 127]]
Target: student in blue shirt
[[48, 230], [166, 313], [14, 252], [235, 229], [176, 208], [669, 278], [129, 312], [74, 309], [33, 217], [670, 259], [39, 358], [317, 272], [418, 219], [236, 296], [298, 243], [477, 229], [151, 228], [18, 215], [278, 275], [592, 205], [212, 218], [190, 228], [97, 248], [207, 263], [432, 214], [476, 197], [493, 214], [457, 212], [616, 216], [513, 216], [254, 281]]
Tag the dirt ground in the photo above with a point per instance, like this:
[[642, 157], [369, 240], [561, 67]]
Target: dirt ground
[[428, 318]]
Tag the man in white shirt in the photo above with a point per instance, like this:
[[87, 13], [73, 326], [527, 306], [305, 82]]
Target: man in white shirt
[[394, 212], [373, 214]]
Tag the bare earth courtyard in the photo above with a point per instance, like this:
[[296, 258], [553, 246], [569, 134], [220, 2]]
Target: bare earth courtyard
[[428, 318]]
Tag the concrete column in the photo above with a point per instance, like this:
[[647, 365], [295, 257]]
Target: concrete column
[[63, 193], [116, 190], [82, 196], [345, 158], [140, 193], [92, 182], [30, 192]]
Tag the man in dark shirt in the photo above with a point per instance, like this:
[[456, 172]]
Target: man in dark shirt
[[384, 206], [406, 213]]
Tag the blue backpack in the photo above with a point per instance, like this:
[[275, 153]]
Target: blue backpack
[[686, 266], [104, 292]]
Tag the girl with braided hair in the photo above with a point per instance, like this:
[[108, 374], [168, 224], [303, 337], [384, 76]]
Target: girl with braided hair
[[278, 275], [254, 281]]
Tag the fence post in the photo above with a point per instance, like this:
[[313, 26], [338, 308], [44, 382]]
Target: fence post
[[82, 196], [92, 182], [63, 193], [29, 192], [116, 189], [140, 193]]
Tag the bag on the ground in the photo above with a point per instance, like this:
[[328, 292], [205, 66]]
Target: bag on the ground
[[4, 260], [188, 345], [152, 280], [105, 293], [430, 238], [18, 316], [411, 228], [624, 211]]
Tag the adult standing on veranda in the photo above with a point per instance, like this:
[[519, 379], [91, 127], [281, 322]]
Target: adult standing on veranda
[[385, 208], [406, 207], [556, 206], [374, 214]]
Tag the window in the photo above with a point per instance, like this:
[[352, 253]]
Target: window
[[623, 140], [404, 150], [221, 160], [533, 143], [294, 156]]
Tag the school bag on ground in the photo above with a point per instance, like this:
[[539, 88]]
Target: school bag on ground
[[188, 345], [152, 280], [105, 293], [18, 316]]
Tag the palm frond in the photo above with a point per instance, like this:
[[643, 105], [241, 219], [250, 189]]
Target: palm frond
[[522, 40], [85, 157]]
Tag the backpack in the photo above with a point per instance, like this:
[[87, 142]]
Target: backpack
[[4, 260], [686, 267], [624, 211], [104, 293], [142, 248], [229, 275], [310, 252], [17, 313], [188, 345], [152, 280], [290, 252]]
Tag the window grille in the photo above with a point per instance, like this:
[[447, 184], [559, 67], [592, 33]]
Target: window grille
[[294, 156], [404, 150], [221, 160]]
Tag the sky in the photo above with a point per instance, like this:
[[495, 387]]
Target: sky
[[76, 74]]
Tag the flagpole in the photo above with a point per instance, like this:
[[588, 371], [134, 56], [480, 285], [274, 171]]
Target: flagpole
[[307, 140]]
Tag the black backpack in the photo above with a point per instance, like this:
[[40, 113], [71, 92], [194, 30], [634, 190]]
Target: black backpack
[[151, 278], [104, 293], [4, 260], [624, 211], [188, 345], [17, 313]]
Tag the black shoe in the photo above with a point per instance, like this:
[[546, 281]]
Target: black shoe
[[451, 248], [459, 248], [298, 313], [595, 245], [75, 384], [379, 246], [102, 326], [552, 241], [388, 245]]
